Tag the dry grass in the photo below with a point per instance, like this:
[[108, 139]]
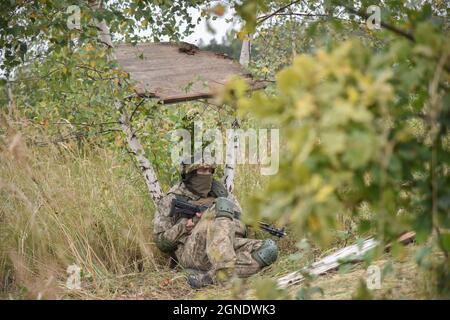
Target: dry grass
[[59, 206], [63, 205]]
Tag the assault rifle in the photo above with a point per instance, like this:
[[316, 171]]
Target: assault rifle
[[183, 209]]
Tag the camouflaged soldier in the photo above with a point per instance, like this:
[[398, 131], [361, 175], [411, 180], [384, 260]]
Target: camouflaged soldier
[[214, 242]]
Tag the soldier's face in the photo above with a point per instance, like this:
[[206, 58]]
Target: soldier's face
[[200, 182], [204, 171]]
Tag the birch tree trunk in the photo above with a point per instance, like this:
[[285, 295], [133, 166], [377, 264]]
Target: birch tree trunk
[[230, 159], [244, 58], [9, 95], [134, 145], [136, 148], [232, 146]]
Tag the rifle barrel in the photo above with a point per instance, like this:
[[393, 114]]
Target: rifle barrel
[[272, 230]]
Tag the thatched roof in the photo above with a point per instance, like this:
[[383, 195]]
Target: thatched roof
[[174, 73]]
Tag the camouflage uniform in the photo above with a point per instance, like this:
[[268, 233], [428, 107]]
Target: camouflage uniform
[[214, 244]]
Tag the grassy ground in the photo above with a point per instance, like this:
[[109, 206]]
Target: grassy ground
[[402, 282], [401, 279], [62, 205]]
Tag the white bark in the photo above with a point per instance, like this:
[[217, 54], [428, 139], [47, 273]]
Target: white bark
[[104, 35], [136, 148], [134, 145], [348, 254], [230, 163], [232, 146], [353, 253], [9, 94], [244, 58]]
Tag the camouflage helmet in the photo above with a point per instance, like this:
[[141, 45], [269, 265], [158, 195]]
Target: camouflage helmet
[[189, 164]]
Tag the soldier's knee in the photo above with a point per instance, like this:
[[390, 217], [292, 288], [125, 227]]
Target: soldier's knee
[[266, 254], [165, 245]]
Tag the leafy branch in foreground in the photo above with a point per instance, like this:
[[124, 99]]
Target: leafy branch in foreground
[[349, 116]]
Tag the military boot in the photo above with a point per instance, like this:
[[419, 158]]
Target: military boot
[[199, 279]]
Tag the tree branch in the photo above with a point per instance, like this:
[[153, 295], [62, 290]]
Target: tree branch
[[268, 16], [135, 109], [387, 26]]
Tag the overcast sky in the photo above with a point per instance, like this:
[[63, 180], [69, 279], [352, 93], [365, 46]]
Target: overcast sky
[[220, 26]]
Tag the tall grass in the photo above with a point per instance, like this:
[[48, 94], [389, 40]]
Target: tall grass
[[61, 205], [69, 204]]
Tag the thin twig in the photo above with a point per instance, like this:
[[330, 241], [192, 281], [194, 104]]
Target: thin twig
[[136, 108], [264, 18], [302, 14]]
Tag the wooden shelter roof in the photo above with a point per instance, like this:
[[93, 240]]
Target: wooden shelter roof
[[174, 72]]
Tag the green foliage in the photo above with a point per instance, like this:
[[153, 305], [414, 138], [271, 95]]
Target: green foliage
[[362, 292], [248, 10], [266, 289], [306, 293], [348, 114]]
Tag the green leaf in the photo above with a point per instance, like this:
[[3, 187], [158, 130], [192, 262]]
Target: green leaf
[[421, 255], [360, 148], [445, 240]]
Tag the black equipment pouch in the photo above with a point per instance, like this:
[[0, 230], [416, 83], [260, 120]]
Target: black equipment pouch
[[218, 189]]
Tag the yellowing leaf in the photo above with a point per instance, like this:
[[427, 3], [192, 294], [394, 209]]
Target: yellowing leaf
[[333, 142], [233, 89], [118, 140], [304, 66], [288, 79], [219, 10], [314, 223], [352, 94], [242, 35], [305, 106], [323, 193]]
